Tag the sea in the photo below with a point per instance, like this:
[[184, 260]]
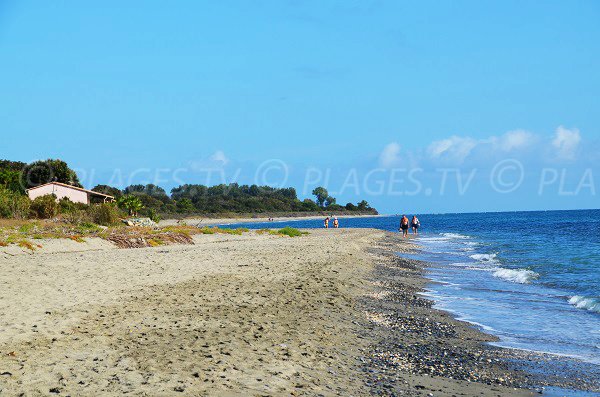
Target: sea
[[530, 278]]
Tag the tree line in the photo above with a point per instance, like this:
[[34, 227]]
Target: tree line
[[150, 199]]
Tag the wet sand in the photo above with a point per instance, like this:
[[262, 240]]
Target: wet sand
[[330, 313]]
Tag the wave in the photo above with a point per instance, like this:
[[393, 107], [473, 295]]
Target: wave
[[582, 302], [455, 235], [483, 257], [521, 276]]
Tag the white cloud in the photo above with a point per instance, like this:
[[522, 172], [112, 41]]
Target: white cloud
[[390, 155], [458, 150], [516, 140], [566, 142], [455, 148], [216, 160]]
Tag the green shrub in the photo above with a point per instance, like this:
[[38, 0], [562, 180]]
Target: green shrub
[[13, 204], [77, 217], [291, 232], [87, 228], [66, 206], [11, 179], [153, 215], [131, 204], [105, 214], [44, 207]]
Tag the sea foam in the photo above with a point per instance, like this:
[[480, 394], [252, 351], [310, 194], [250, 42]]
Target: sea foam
[[582, 302], [521, 276], [483, 257], [455, 236]]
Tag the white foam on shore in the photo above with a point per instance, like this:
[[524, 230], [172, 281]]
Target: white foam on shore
[[483, 257], [582, 302], [455, 236], [521, 276]]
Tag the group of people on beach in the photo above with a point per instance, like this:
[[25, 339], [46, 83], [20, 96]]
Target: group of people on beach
[[336, 223], [414, 223]]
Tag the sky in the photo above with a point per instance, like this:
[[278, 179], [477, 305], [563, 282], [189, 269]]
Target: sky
[[439, 106]]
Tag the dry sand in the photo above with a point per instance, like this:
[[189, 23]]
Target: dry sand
[[230, 315]]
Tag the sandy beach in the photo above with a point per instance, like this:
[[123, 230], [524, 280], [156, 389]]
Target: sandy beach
[[329, 313], [206, 221]]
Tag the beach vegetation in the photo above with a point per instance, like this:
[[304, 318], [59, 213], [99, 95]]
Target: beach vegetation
[[28, 245], [321, 194], [286, 231], [185, 205], [106, 214], [351, 207], [363, 205], [109, 190], [44, 207], [13, 204], [291, 232], [132, 204], [45, 171], [226, 200], [153, 215], [11, 180]]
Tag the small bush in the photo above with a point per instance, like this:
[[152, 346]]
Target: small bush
[[77, 217], [105, 214], [27, 245], [213, 230], [153, 215], [26, 228], [87, 228], [44, 207], [13, 204], [66, 206], [291, 232]]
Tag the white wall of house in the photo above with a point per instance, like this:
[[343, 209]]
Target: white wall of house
[[76, 196]]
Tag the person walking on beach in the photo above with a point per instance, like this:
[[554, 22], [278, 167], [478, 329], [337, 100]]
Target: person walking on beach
[[336, 224], [415, 223], [404, 226], [326, 223]]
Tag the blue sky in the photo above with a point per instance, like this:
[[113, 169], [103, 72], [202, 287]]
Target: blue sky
[[126, 91]]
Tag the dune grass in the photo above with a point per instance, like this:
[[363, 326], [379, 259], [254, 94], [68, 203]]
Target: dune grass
[[286, 231], [22, 233]]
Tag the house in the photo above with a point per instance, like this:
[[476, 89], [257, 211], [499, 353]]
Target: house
[[73, 193]]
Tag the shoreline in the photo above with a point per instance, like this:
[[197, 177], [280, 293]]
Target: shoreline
[[335, 312], [511, 367], [206, 221]]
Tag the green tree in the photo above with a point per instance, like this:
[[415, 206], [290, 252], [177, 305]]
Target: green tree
[[363, 206], [329, 201], [105, 189], [321, 195], [12, 165], [11, 180], [130, 203], [185, 205], [45, 171]]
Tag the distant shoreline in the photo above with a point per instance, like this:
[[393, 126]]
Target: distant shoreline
[[229, 221]]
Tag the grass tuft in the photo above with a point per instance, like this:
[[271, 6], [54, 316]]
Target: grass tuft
[[286, 231], [27, 245]]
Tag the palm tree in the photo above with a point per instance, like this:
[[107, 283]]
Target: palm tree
[[131, 203]]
